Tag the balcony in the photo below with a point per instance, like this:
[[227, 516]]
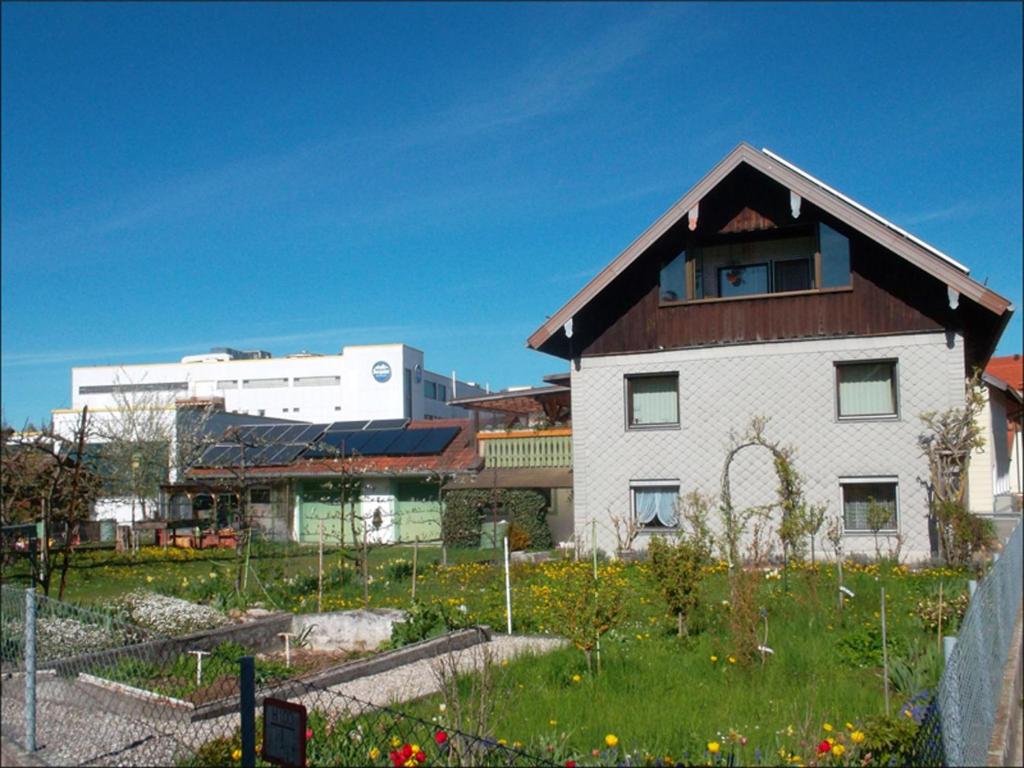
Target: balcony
[[526, 448]]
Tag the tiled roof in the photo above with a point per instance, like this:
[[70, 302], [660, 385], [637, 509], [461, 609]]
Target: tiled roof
[[1009, 368], [459, 456]]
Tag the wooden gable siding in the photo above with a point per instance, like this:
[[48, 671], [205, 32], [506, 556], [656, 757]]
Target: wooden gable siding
[[887, 294]]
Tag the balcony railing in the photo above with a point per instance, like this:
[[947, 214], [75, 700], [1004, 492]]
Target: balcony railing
[[527, 448]]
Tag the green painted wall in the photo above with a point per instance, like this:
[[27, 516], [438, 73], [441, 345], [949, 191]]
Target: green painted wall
[[316, 503], [418, 511]]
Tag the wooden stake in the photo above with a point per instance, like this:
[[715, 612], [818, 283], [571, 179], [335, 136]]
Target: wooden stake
[[320, 571], [885, 656], [415, 550], [366, 571]]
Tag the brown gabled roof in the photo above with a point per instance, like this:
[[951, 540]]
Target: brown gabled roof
[[870, 224], [547, 399]]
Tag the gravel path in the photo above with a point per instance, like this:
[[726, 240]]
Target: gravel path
[[82, 724]]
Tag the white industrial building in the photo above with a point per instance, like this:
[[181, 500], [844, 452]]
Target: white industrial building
[[378, 381]]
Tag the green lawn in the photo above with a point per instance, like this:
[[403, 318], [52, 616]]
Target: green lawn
[[656, 693]]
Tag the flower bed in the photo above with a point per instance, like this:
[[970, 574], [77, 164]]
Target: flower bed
[[168, 615]]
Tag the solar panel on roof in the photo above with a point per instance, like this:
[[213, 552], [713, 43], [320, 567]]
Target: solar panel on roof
[[291, 432], [386, 424], [344, 426], [307, 435], [356, 443], [285, 454], [210, 455], [380, 441], [408, 441], [231, 457], [436, 441]]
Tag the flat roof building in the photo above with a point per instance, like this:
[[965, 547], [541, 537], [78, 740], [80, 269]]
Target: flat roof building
[[378, 381]]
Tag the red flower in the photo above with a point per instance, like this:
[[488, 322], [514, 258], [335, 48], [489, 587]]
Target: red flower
[[309, 734], [396, 758], [440, 737], [421, 756], [824, 747], [570, 764], [407, 751]]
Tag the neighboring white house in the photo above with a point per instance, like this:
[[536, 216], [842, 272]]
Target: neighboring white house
[[764, 292], [382, 381], [994, 478]]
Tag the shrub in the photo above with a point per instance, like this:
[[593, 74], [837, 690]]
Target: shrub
[[466, 509], [588, 608], [518, 538], [678, 570], [398, 570]]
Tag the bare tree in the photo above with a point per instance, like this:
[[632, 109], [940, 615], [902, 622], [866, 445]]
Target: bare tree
[[44, 478]]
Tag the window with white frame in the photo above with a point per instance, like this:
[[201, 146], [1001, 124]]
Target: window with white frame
[[655, 504], [864, 498], [866, 389], [652, 400]]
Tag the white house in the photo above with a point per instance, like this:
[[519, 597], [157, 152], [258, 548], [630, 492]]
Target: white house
[[764, 292]]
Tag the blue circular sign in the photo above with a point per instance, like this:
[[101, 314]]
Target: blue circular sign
[[381, 371]]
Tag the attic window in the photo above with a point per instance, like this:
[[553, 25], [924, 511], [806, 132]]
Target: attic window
[[736, 268]]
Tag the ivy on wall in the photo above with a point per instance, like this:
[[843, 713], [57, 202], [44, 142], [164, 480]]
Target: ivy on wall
[[524, 509]]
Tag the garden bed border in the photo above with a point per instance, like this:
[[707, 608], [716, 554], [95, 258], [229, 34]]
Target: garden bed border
[[458, 640]]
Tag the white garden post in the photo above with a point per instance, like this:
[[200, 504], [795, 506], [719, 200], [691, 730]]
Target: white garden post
[[287, 647], [199, 665], [508, 590]]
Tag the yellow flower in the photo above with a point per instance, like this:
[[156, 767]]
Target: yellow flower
[[236, 754], [504, 662], [857, 737], [517, 745], [838, 749], [713, 747], [415, 748], [827, 727], [149, 579], [552, 722], [374, 753], [503, 742], [576, 678], [849, 726], [732, 659], [395, 741], [611, 740], [714, 659]]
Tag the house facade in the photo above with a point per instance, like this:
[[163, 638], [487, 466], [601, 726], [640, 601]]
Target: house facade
[[766, 294], [306, 481], [995, 476]]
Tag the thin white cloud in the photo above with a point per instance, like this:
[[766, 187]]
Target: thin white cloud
[[545, 85]]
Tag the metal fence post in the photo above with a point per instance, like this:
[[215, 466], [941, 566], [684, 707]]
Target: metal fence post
[[247, 705], [30, 669]]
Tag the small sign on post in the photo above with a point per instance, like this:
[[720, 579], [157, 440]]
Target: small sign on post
[[284, 733]]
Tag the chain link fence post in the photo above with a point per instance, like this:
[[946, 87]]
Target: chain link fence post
[[247, 707], [30, 669]]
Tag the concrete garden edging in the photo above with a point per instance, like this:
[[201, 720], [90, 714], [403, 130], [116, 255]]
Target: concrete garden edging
[[425, 649]]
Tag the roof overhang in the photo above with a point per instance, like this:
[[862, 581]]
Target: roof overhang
[[799, 182], [508, 477]]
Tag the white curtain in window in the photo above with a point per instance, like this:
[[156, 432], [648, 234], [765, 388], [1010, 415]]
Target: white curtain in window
[[656, 506], [866, 390], [655, 400]]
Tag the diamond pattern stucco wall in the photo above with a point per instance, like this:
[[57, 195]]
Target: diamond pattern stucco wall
[[792, 383]]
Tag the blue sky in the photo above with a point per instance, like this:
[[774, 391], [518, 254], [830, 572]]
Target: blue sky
[[286, 177]]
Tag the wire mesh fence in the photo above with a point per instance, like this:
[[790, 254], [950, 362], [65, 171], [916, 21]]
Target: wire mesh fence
[[971, 683], [107, 692]]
